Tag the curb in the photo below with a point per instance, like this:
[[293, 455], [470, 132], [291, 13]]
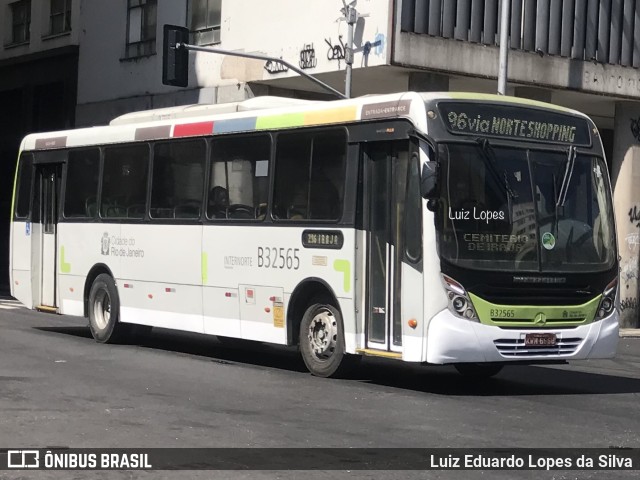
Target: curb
[[630, 332]]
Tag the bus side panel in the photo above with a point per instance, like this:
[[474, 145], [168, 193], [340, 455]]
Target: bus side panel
[[20, 274], [412, 308], [81, 246], [435, 297], [264, 266], [160, 277]]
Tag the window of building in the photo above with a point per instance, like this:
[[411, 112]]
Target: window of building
[[205, 21], [239, 182], [20, 21], [81, 190], [178, 179], [141, 28], [309, 175], [60, 16], [124, 182]]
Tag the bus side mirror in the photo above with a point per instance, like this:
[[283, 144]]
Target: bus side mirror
[[429, 180]]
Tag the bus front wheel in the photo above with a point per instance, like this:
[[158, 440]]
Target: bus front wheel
[[322, 341], [104, 310]]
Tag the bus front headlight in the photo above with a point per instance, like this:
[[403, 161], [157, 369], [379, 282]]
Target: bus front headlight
[[459, 302], [608, 302]]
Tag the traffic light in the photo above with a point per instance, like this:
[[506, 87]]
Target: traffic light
[[175, 61]]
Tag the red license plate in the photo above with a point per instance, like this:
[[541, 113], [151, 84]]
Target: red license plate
[[540, 339]]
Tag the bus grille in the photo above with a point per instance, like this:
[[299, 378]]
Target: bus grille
[[531, 321], [515, 347]]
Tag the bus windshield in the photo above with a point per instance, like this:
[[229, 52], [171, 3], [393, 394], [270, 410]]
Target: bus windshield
[[522, 209]]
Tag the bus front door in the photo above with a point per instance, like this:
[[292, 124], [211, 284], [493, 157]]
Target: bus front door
[[44, 235], [385, 186]]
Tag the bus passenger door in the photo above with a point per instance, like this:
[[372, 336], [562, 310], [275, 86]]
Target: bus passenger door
[[385, 172], [44, 235]]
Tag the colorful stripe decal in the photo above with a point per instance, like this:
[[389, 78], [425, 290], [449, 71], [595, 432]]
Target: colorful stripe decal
[[335, 115], [54, 142], [193, 129], [235, 125], [151, 133], [280, 121]]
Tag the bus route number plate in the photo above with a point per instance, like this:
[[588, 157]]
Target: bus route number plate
[[540, 339]]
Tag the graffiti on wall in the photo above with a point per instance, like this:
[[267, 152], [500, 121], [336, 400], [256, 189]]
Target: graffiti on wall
[[275, 67], [634, 215], [629, 270], [633, 241], [308, 57], [336, 51], [635, 128], [629, 304]]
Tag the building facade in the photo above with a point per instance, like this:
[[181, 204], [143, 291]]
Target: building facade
[[38, 78], [582, 54]]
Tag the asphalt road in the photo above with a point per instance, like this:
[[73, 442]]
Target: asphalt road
[[59, 388]]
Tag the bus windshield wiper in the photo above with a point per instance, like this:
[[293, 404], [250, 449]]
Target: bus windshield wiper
[[489, 159], [566, 180]]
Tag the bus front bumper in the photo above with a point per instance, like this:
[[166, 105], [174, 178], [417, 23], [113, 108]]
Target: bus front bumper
[[454, 340]]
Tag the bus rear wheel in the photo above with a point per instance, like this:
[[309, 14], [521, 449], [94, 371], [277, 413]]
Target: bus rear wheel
[[104, 310], [322, 341], [478, 370]]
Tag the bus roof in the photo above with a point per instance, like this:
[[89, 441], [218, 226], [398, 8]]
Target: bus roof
[[259, 114]]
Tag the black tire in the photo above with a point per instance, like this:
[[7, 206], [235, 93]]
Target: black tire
[[322, 341], [478, 370], [104, 311]]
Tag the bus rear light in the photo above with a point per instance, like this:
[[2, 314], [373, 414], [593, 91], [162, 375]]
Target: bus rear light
[[413, 323]]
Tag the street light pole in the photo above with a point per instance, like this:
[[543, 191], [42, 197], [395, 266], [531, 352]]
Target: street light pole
[[351, 16], [504, 47]]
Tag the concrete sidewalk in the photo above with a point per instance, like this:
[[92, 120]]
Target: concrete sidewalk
[[630, 332]]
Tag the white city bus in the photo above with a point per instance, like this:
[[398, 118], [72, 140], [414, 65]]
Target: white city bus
[[440, 228]]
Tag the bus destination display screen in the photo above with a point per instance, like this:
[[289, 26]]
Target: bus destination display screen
[[517, 123]]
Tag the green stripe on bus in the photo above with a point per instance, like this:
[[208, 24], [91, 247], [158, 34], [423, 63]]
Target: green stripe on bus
[[280, 121], [344, 267], [205, 268], [64, 267], [531, 316]]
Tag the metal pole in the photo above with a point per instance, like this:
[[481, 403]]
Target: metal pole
[[256, 56], [352, 17], [504, 47]]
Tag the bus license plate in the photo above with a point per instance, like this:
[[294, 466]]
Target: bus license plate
[[540, 339]]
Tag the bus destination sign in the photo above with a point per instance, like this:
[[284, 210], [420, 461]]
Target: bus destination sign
[[322, 239], [518, 123]]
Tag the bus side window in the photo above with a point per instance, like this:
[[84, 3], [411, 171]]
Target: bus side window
[[239, 180], [309, 175], [23, 193], [124, 182], [81, 190], [178, 179]]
